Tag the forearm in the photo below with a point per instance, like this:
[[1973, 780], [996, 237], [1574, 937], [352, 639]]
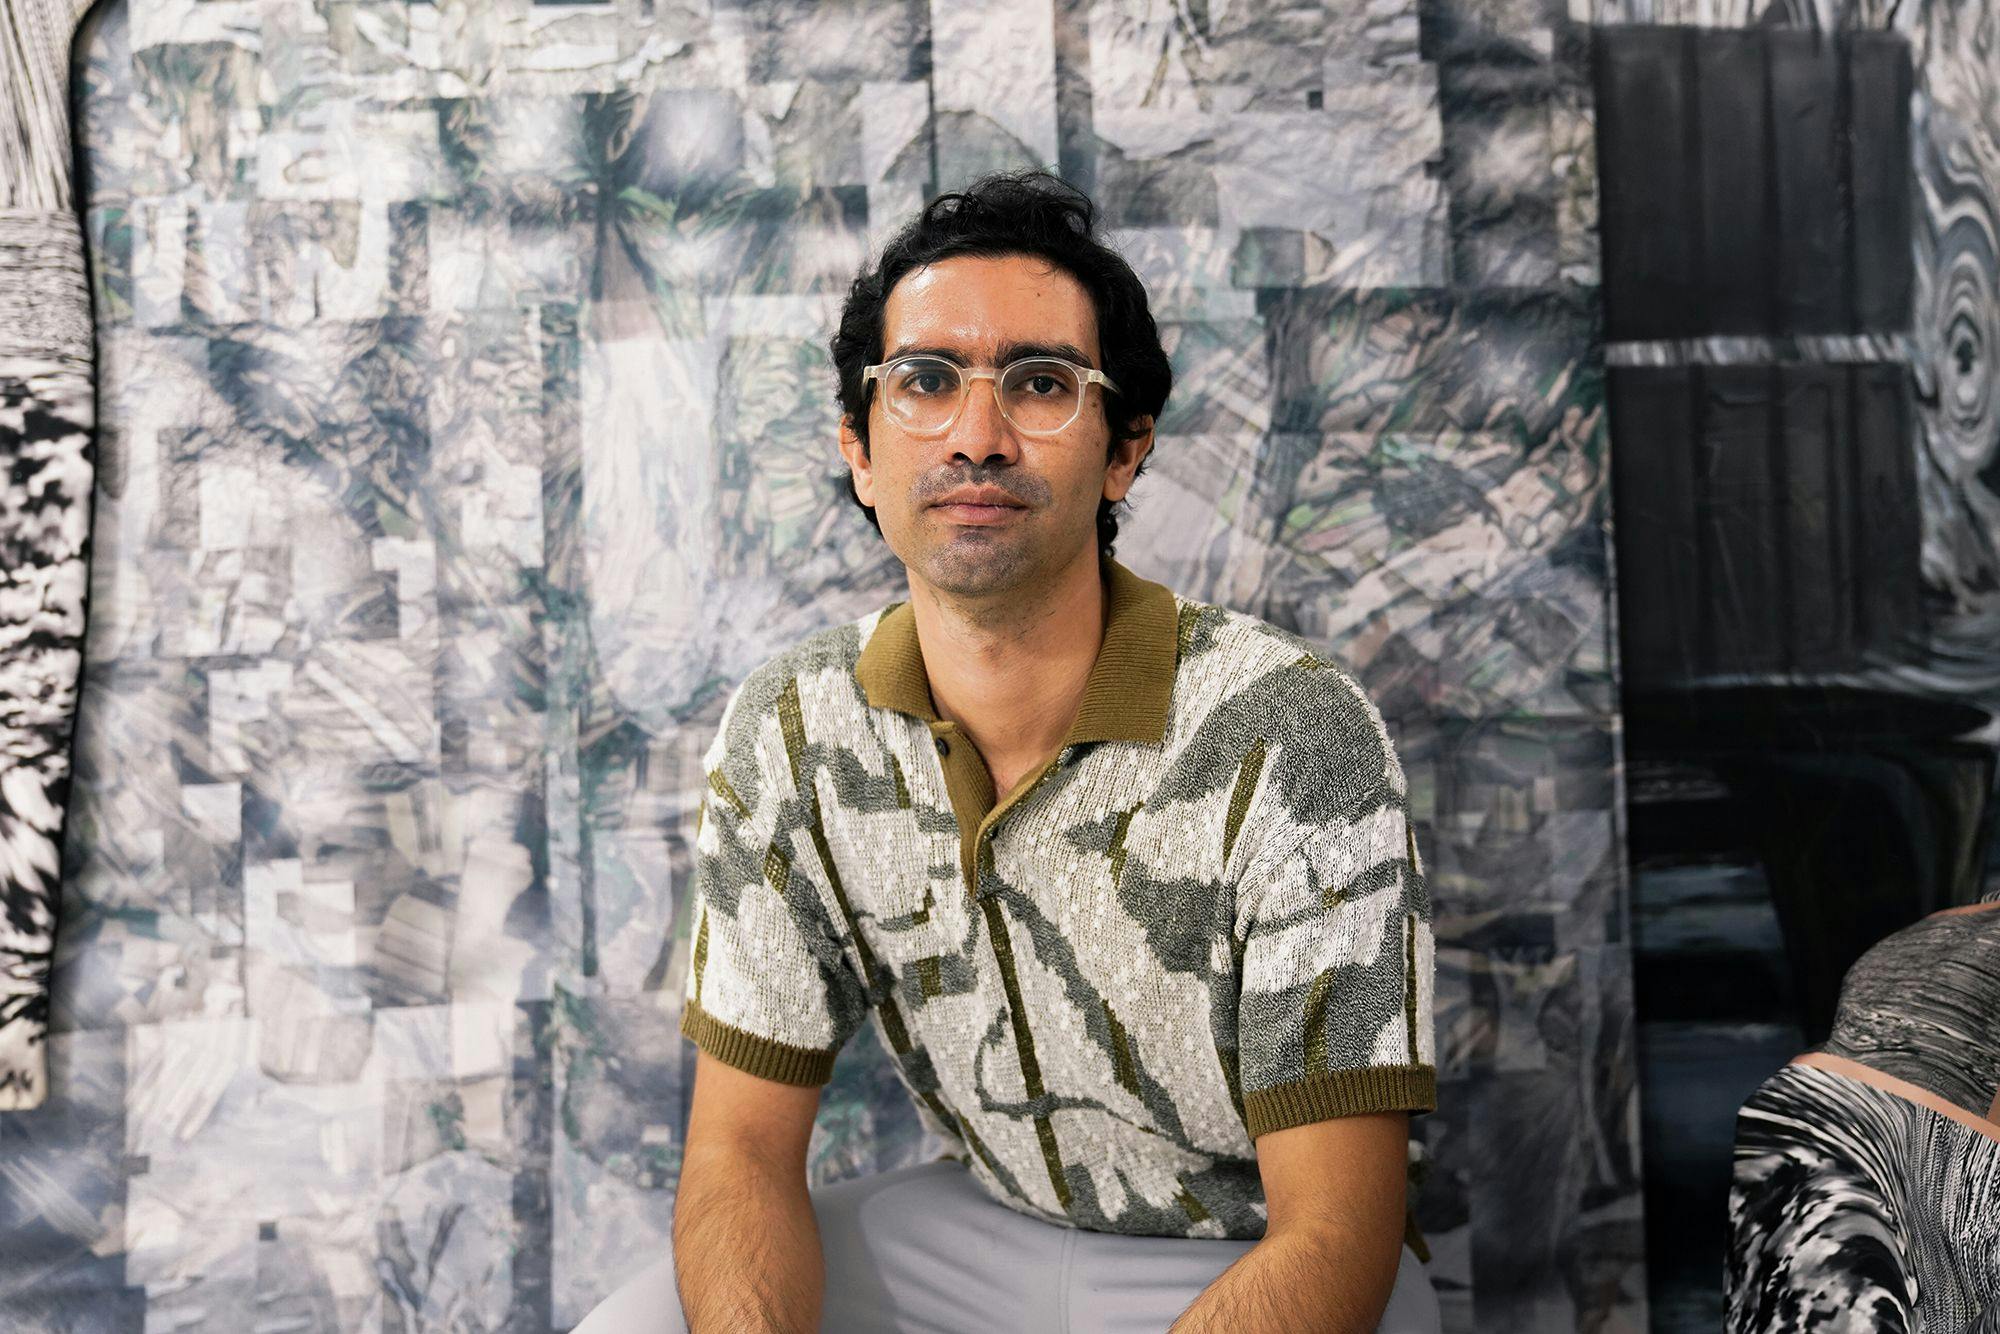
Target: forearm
[[1295, 1280], [746, 1248]]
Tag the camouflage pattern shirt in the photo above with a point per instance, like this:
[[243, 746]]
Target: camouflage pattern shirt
[[1202, 919]]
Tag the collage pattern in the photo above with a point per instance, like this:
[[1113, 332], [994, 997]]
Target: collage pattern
[[467, 435]]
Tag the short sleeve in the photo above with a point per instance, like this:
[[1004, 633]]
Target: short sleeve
[[769, 990], [1334, 1005]]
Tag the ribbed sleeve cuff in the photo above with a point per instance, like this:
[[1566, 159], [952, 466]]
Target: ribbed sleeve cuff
[[754, 1055], [1386, 1088]]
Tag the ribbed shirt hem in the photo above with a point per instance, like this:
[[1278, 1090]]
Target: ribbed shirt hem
[[1388, 1088], [754, 1055]]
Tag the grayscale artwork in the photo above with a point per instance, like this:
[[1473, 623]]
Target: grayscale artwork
[[465, 432]]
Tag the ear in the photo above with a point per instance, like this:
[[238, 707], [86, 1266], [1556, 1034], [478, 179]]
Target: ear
[[1124, 463], [856, 455]]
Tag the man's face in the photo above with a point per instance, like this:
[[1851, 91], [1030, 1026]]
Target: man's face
[[985, 312]]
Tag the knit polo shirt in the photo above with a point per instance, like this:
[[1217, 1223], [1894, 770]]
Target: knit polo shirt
[[1201, 919]]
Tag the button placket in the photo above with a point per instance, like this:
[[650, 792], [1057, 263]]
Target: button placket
[[998, 938], [956, 781]]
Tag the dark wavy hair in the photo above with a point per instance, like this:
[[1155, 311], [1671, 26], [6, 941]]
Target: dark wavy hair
[[1015, 213]]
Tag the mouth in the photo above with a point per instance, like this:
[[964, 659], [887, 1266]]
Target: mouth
[[971, 513]]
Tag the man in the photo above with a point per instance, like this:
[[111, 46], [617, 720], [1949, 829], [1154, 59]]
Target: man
[[1124, 880]]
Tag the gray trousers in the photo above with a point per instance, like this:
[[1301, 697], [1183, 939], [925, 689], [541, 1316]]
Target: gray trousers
[[925, 1249]]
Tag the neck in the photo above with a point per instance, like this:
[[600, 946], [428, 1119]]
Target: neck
[[1012, 674]]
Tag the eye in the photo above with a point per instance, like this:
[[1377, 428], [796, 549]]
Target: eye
[[1042, 384], [925, 381]]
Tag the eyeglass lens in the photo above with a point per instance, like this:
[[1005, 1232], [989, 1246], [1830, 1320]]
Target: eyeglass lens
[[1038, 396]]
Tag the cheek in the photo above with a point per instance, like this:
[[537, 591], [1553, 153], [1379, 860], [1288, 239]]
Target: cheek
[[894, 477], [1084, 469]]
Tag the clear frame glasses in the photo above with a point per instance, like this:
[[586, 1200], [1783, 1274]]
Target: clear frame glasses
[[924, 394]]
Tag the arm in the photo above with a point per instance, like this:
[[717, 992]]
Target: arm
[[746, 1244], [1334, 1234], [1335, 1039], [769, 999]]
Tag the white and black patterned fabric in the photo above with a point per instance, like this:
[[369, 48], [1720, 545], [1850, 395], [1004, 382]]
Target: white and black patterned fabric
[[1856, 1209], [1923, 1006], [46, 418], [1854, 1203]]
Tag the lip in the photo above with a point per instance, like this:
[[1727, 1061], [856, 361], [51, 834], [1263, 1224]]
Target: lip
[[979, 495], [979, 514], [979, 505]]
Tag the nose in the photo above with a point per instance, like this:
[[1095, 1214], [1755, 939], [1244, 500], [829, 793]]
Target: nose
[[981, 432]]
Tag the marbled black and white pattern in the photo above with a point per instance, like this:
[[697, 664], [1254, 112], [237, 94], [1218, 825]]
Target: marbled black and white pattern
[[46, 418], [1855, 1209], [1923, 1006]]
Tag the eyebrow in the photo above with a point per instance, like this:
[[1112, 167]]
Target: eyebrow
[[1008, 352]]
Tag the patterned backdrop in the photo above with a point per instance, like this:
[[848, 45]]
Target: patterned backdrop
[[467, 433]]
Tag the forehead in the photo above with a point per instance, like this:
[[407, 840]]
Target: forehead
[[976, 304]]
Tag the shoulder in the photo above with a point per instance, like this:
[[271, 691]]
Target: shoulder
[[1256, 675], [749, 738], [834, 648], [1223, 639], [1288, 734]]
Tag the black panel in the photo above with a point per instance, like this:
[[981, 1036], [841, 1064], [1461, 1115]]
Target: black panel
[[1739, 530], [1889, 606], [1659, 560], [1646, 196], [1815, 533], [1878, 102], [1766, 520], [1808, 185], [1736, 240], [1754, 181]]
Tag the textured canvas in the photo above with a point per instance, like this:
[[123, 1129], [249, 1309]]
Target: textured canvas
[[467, 435]]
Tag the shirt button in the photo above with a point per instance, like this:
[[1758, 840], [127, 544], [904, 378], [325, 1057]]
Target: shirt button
[[944, 747]]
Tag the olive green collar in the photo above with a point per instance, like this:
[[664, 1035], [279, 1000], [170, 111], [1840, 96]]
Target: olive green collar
[[1130, 685]]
